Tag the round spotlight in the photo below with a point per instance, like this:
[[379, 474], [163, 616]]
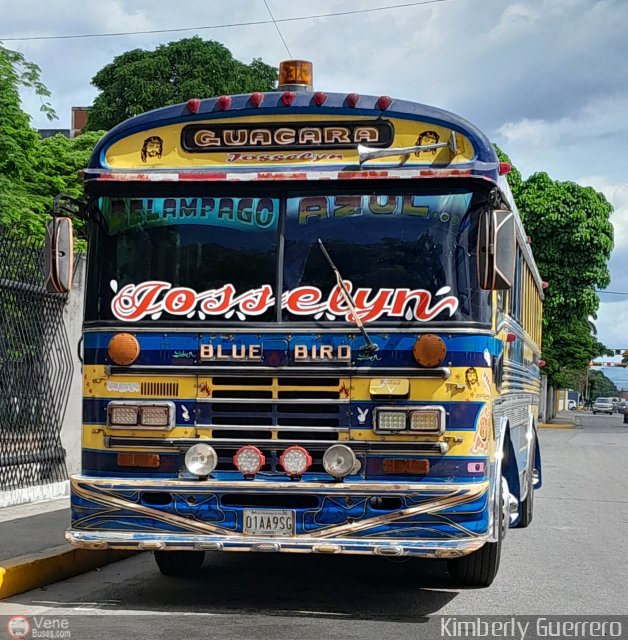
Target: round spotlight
[[339, 461], [429, 350], [200, 459], [249, 460], [295, 460], [123, 349]]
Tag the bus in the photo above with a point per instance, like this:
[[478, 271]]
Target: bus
[[312, 325]]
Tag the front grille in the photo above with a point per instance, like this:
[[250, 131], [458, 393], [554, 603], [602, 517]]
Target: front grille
[[294, 405], [274, 413]]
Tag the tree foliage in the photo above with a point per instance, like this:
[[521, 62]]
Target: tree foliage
[[33, 171], [600, 386], [140, 80], [572, 238]]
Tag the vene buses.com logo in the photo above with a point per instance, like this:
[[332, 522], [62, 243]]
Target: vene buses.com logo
[[18, 627]]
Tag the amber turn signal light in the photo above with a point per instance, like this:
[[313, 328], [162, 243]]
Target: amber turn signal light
[[429, 350], [123, 349]]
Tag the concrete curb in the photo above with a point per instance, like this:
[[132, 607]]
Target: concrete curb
[[23, 573]]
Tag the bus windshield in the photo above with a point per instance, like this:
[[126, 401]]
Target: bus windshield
[[405, 257]]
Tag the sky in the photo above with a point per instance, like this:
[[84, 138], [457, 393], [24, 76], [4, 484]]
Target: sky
[[547, 80]]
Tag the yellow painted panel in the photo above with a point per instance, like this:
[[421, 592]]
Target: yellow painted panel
[[460, 386], [131, 152], [97, 384]]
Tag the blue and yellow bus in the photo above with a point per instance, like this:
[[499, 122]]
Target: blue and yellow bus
[[312, 325]]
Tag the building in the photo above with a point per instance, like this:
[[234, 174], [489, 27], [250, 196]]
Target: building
[[79, 120]]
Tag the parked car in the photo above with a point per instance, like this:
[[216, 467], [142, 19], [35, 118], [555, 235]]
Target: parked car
[[603, 405], [572, 405]]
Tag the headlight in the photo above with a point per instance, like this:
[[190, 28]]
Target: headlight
[[295, 460], [429, 420], [123, 415], [339, 461], [200, 459], [391, 420], [155, 415], [150, 415], [249, 460]]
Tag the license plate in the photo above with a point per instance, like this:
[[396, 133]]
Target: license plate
[[268, 522]]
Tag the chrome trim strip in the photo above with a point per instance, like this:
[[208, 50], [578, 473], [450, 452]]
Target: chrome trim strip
[[425, 548], [295, 331], [200, 370], [345, 488], [357, 445], [270, 401], [230, 427]]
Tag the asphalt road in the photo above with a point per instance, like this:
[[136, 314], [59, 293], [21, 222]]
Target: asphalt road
[[572, 560]]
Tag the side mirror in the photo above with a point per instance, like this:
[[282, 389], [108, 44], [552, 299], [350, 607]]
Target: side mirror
[[59, 255], [496, 249]]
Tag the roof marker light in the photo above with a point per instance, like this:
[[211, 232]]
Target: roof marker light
[[511, 337], [541, 363], [504, 168], [257, 98], [194, 105], [352, 99], [287, 97], [319, 98], [224, 102], [544, 284], [384, 102]]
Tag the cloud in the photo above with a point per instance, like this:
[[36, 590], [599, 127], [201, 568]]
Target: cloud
[[611, 324]]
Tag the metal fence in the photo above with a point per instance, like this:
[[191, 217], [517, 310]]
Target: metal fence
[[35, 369]]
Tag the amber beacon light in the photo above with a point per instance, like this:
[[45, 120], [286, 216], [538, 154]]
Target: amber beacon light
[[295, 75], [124, 349], [429, 350]]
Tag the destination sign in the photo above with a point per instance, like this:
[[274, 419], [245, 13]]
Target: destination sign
[[286, 135]]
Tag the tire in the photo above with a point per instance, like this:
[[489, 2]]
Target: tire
[[526, 508], [479, 568], [179, 563]]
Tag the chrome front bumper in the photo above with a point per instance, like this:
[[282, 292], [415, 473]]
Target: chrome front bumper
[[185, 542], [113, 496]]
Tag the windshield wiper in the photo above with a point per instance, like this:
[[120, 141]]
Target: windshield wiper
[[370, 346]]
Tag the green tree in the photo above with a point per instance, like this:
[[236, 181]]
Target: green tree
[[140, 80], [600, 386], [33, 171], [19, 144], [58, 169], [572, 238]]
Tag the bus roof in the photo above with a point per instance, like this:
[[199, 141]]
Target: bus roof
[[293, 135]]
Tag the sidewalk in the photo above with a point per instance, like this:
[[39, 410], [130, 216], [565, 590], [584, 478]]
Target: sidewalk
[[33, 551], [564, 420]]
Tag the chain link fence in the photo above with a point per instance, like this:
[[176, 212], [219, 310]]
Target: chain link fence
[[35, 369]]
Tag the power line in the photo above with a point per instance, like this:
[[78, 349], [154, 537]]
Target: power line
[[228, 25], [614, 293], [272, 17]]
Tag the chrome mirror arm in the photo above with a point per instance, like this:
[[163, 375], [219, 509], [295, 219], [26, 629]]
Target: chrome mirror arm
[[369, 153]]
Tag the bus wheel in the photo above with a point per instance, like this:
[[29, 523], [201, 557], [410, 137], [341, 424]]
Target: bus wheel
[[479, 568], [526, 508], [179, 563]]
